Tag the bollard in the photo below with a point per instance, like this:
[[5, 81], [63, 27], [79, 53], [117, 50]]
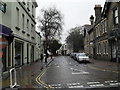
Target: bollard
[[15, 78]]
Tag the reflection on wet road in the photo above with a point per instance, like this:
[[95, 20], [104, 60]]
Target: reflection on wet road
[[65, 72]]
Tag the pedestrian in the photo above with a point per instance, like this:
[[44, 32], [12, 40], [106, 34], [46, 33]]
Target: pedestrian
[[47, 55], [41, 57], [51, 55]]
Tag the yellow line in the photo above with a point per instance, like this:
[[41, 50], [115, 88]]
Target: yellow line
[[101, 69], [42, 81], [38, 80]]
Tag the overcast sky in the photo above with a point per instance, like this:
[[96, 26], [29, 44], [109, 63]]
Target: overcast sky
[[75, 12]]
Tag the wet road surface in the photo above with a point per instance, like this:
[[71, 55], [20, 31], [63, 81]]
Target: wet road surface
[[64, 72]]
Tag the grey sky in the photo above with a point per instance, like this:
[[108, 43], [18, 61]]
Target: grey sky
[[76, 12]]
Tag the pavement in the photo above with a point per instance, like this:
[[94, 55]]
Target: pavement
[[26, 74]]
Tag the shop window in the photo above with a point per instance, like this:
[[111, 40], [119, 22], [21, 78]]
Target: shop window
[[18, 53]]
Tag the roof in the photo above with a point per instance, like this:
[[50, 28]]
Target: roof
[[105, 9], [88, 27]]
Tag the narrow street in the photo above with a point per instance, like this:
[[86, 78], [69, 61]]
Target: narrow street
[[65, 72]]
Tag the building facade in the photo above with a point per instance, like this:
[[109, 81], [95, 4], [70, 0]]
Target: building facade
[[106, 32], [19, 16]]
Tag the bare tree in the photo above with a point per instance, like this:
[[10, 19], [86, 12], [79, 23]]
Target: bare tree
[[50, 24]]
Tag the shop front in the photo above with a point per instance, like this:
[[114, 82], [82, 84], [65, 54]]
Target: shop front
[[114, 43], [18, 53]]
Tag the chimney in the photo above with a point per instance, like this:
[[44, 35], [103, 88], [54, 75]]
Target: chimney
[[98, 10], [92, 19]]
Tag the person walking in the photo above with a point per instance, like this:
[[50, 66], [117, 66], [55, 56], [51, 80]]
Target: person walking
[[41, 57]]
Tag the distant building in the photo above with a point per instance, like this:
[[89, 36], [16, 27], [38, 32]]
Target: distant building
[[62, 50]]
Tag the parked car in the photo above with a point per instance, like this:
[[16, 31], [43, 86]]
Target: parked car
[[82, 58], [73, 55]]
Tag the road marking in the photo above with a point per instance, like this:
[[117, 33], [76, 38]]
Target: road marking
[[57, 87], [38, 80], [81, 73], [55, 84], [76, 71], [76, 86], [110, 81], [114, 83], [68, 84], [93, 82], [97, 85]]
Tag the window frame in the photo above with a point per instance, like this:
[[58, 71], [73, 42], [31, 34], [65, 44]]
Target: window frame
[[115, 16]]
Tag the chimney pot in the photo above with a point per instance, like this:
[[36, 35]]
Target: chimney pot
[[98, 10]]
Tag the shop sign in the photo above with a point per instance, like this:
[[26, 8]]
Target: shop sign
[[3, 42]]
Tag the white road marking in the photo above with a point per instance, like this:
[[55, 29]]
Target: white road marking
[[76, 71], [92, 82], [69, 84], [110, 81], [97, 85], [55, 84], [81, 73], [57, 87], [114, 83], [72, 84], [76, 86]]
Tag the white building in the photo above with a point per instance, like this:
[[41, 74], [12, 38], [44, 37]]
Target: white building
[[19, 16]]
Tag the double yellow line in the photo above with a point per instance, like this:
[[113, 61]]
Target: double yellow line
[[38, 80]]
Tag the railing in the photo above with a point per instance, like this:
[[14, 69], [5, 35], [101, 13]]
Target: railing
[[15, 78]]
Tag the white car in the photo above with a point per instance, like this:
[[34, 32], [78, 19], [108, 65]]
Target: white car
[[82, 58]]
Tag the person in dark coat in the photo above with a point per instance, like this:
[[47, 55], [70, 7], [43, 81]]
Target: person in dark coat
[[41, 57]]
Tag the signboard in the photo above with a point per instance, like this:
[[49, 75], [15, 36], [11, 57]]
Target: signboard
[[3, 42]]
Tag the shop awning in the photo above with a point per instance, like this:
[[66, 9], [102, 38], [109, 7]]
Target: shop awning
[[5, 31]]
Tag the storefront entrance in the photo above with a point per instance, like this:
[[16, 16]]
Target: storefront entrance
[[18, 53]]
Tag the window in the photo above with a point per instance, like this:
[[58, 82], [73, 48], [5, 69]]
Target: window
[[2, 7], [32, 27], [28, 3], [96, 31], [100, 31], [17, 16], [32, 9], [27, 24], [23, 21], [105, 46], [115, 16], [104, 26], [99, 48]]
